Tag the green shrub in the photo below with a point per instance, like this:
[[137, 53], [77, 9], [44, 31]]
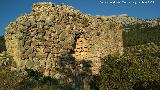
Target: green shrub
[[130, 73]]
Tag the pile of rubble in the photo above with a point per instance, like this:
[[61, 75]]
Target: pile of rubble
[[39, 40]]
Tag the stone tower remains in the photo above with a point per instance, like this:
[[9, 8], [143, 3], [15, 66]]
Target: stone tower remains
[[40, 39]]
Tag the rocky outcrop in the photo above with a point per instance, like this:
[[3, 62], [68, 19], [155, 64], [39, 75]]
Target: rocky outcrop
[[40, 39]]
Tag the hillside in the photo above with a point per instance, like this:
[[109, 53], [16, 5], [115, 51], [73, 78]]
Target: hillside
[[129, 20], [139, 31]]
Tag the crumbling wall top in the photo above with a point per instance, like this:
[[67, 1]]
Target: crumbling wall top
[[50, 7]]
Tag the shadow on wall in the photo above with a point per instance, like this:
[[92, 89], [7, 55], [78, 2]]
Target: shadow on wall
[[2, 44], [74, 75]]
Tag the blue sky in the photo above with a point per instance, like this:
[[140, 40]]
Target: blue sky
[[11, 9]]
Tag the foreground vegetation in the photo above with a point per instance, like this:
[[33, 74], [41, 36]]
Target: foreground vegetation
[[137, 69]]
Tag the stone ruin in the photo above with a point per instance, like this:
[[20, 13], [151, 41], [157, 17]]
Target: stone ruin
[[40, 39]]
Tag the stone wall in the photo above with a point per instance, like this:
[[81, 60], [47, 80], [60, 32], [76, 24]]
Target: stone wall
[[40, 39]]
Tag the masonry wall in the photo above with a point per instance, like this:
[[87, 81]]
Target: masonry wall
[[40, 39]]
